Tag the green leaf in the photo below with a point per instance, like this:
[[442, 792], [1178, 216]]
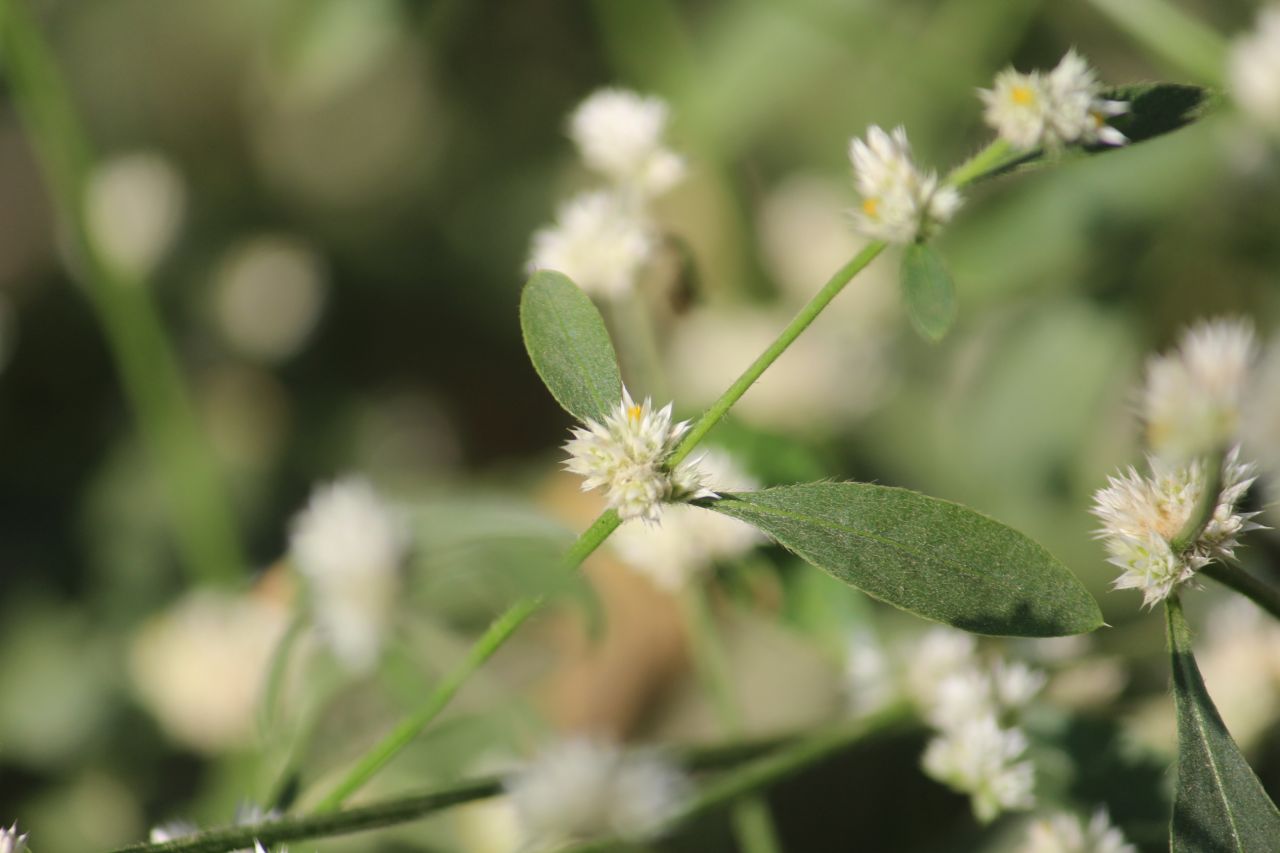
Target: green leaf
[[932, 557], [569, 346], [1220, 804], [927, 291]]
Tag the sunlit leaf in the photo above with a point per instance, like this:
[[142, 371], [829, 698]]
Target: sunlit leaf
[[569, 345], [934, 558], [1220, 804]]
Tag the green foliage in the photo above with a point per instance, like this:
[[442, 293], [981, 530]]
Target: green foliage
[[1220, 804], [928, 291], [569, 346], [931, 557]]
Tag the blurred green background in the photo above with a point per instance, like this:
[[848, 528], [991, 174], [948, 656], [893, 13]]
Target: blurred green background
[[350, 189]]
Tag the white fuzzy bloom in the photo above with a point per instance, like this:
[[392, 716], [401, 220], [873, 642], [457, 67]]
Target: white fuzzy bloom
[[1253, 70], [1052, 109], [1076, 111], [1141, 516], [583, 788], [598, 241], [981, 759], [620, 135], [349, 546], [1015, 684], [1067, 833], [133, 207], [690, 540], [626, 455], [200, 666], [900, 203], [11, 841], [941, 652], [1192, 396]]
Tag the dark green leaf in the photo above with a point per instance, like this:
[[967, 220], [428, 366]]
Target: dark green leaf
[[1220, 804], [927, 291], [569, 346], [934, 558]]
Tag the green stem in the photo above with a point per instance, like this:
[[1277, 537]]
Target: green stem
[[778, 766], [1258, 591], [752, 823], [1171, 34], [153, 383], [807, 315], [996, 156], [1202, 514]]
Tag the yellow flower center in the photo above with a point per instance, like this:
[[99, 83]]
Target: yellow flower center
[[633, 413], [870, 206], [1023, 96]]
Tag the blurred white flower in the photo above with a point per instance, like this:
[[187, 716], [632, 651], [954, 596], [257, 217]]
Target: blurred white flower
[[981, 759], [1260, 414], [1253, 70], [1239, 656], [583, 788], [597, 241], [900, 203], [1052, 109], [487, 826], [620, 135], [349, 546], [869, 684], [1192, 396], [690, 540], [941, 652], [1067, 833], [134, 204], [11, 841], [1141, 516], [199, 667], [627, 453], [268, 296]]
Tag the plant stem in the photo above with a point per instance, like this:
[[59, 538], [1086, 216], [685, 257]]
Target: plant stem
[[807, 315], [752, 823], [778, 766], [1202, 514], [203, 522], [1255, 589], [1171, 34], [990, 160]]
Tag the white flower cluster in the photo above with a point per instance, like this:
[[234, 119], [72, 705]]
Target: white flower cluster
[[1142, 517], [1192, 396], [584, 788], [1067, 833], [1253, 70], [11, 841], [602, 238], [349, 546], [1191, 404], [690, 540], [869, 683], [246, 814], [626, 455], [900, 202], [970, 701], [1061, 107]]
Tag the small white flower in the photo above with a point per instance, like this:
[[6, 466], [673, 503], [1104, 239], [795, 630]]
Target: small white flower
[[11, 841], [939, 653], [620, 135], [868, 676], [1053, 109], [1066, 833], [981, 759], [1192, 396], [349, 546], [1077, 112], [900, 203], [598, 241], [1253, 69], [1015, 683], [1141, 516], [583, 788], [690, 540], [626, 454]]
